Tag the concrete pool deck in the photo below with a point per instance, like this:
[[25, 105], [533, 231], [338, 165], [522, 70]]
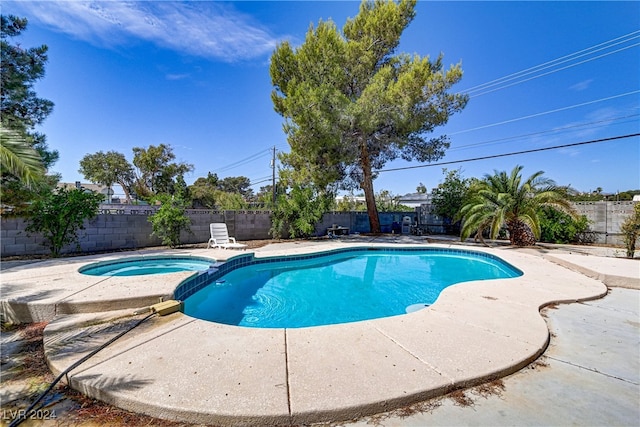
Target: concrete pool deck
[[177, 367]]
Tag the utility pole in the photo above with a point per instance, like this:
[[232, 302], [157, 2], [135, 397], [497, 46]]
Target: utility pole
[[273, 176]]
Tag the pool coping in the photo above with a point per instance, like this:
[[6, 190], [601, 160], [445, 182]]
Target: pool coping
[[305, 375]]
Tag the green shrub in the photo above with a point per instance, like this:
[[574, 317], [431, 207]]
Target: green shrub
[[631, 231], [299, 211], [59, 214], [170, 220], [558, 227]]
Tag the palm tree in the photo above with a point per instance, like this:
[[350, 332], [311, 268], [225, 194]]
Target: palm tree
[[504, 200], [19, 158]]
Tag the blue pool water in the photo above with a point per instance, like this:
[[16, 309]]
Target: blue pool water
[[138, 266], [340, 288]]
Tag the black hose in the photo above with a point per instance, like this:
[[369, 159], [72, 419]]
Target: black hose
[[23, 416]]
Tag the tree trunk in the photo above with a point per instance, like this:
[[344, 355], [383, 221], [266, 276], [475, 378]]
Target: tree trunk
[[127, 194], [520, 234], [367, 186]]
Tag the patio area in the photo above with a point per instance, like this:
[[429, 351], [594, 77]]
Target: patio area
[[180, 368]]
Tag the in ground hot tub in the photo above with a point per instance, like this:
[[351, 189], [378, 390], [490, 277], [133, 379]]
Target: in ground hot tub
[[138, 266]]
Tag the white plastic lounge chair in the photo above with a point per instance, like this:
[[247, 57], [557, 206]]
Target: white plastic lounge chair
[[220, 237]]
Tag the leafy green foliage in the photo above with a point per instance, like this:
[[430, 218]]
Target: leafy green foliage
[[350, 204], [59, 214], [503, 199], [170, 220], [625, 195], [237, 184], [17, 198], [449, 197], [558, 227], [203, 191], [107, 169], [387, 202], [265, 196], [597, 196], [19, 158], [157, 170], [230, 201], [631, 231], [21, 110], [350, 105], [230, 193], [181, 189], [299, 211]]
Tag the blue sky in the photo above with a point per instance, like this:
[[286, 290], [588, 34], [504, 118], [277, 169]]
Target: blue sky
[[195, 75]]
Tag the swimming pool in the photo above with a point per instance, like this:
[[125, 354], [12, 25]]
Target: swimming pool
[[330, 288], [138, 266]]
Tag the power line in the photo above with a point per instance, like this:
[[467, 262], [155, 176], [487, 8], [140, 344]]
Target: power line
[[260, 182], [555, 130], [261, 178], [253, 157], [484, 89], [494, 156], [255, 181], [546, 112], [526, 71], [537, 68], [500, 81], [554, 71]]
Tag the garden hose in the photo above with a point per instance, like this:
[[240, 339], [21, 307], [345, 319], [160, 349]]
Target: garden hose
[[23, 415]]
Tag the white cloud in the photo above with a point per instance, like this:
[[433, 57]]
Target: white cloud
[[177, 76], [206, 29], [593, 123], [583, 85], [605, 114], [571, 151]]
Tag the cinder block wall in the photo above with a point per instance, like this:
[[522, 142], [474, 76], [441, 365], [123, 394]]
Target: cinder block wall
[[358, 222], [14, 241], [129, 228], [108, 231], [343, 219], [606, 219], [246, 225]]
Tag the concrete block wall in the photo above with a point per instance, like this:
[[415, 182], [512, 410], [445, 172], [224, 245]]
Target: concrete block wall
[[358, 222], [14, 240], [200, 220], [131, 230], [107, 232], [248, 225], [343, 219], [606, 219]]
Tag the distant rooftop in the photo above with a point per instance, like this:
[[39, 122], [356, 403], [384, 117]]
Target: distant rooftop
[[96, 188], [93, 187], [413, 200]]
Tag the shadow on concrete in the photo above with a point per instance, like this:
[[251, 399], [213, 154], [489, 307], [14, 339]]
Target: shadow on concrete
[[10, 289], [76, 342], [95, 385]]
